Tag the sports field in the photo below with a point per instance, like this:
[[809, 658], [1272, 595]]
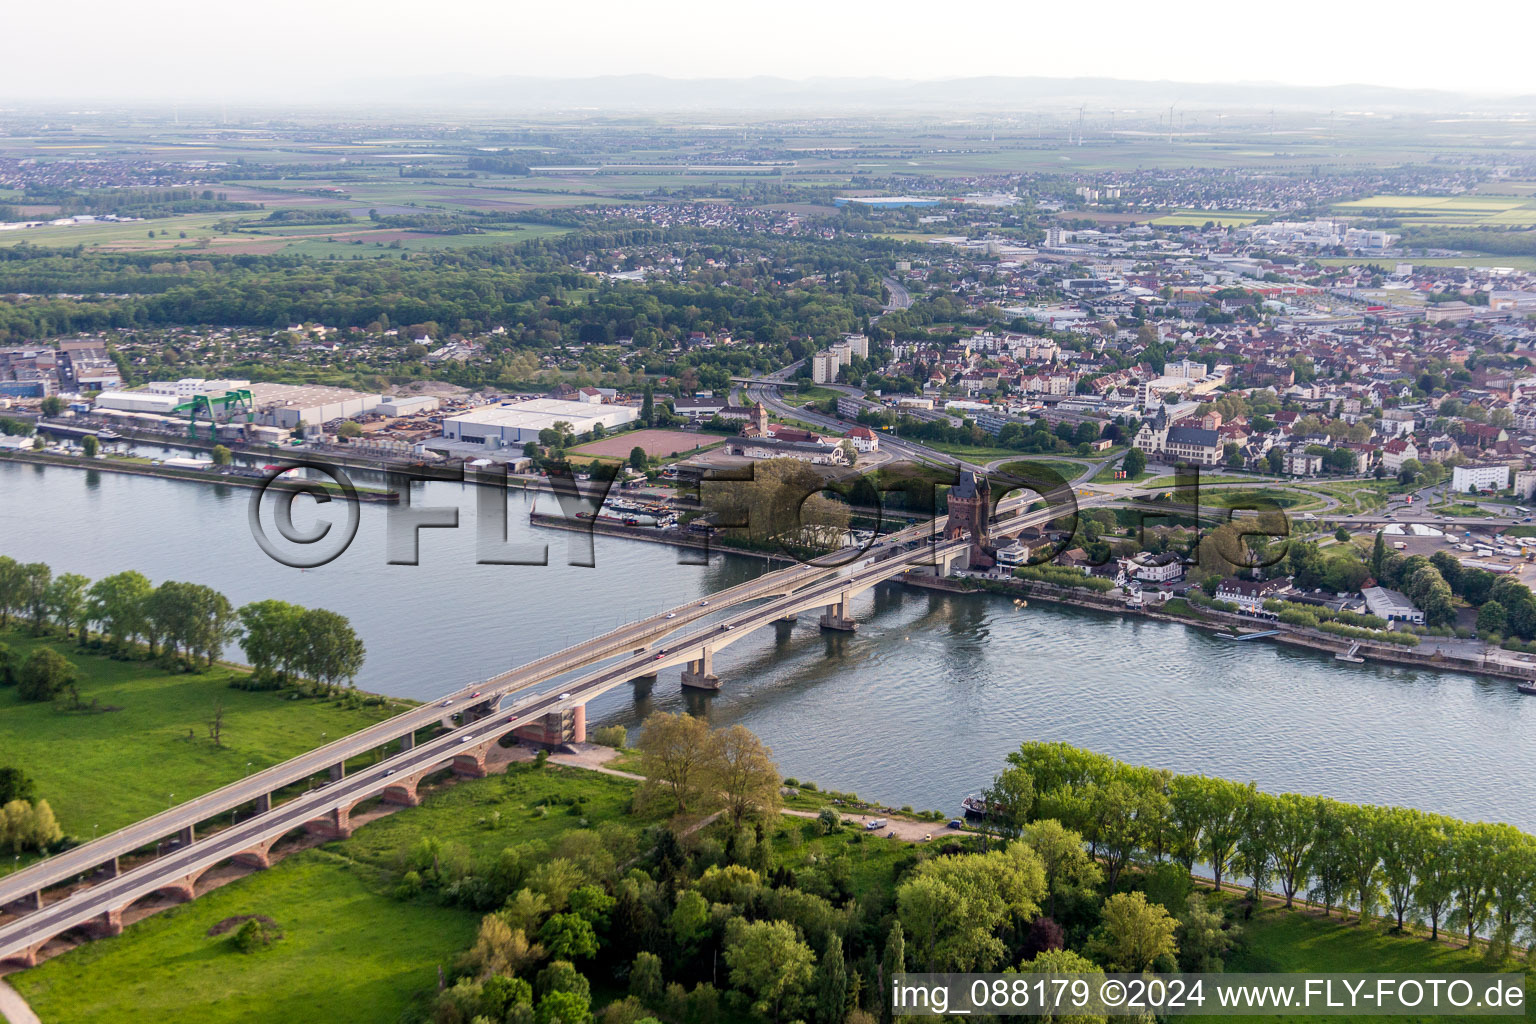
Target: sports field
[[655, 442]]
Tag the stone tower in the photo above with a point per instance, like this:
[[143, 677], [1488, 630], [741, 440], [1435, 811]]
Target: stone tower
[[970, 512]]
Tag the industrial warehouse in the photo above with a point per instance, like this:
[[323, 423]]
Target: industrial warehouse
[[515, 424], [260, 411]]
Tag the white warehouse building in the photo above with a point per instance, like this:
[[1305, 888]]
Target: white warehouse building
[[503, 426]]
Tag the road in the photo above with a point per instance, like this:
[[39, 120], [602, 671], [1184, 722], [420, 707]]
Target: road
[[900, 297], [812, 587], [86, 858]]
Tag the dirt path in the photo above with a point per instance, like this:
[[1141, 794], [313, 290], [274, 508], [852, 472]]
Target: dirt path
[[14, 1008], [906, 831]]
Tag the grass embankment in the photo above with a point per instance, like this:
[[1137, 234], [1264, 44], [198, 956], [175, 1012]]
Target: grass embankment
[[114, 766], [1302, 942], [347, 954], [350, 951], [1044, 470], [1249, 498]]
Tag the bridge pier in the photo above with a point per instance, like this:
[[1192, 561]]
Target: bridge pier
[[186, 836], [109, 923], [338, 771], [408, 742], [336, 824], [264, 803], [836, 615], [700, 674], [30, 902], [644, 683], [259, 857]]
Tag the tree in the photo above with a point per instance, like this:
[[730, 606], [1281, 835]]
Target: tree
[[1069, 871], [222, 456], [1134, 464], [1201, 938], [645, 979], [638, 460], [1063, 962], [953, 907], [67, 602], [1293, 824], [1378, 554], [332, 653], [1341, 535], [768, 961], [832, 983], [894, 962], [1433, 885], [1223, 805], [216, 723], [568, 936], [272, 637], [349, 429], [676, 753], [12, 580], [1491, 619], [35, 580], [15, 784], [648, 407], [117, 605], [1275, 457], [1010, 801], [91, 445], [53, 405], [1133, 933], [44, 675], [742, 770]]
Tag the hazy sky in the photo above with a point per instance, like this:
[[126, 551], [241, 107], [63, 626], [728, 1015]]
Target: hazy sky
[[213, 48]]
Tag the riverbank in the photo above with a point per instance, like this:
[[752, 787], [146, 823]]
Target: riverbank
[[329, 905], [1222, 623], [143, 739], [196, 476]]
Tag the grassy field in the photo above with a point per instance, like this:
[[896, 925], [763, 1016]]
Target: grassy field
[[808, 393], [1250, 497], [1282, 942], [1197, 218], [1043, 468], [111, 768], [379, 954], [1447, 211], [1516, 262]]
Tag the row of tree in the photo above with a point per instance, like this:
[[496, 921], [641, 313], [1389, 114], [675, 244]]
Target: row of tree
[[283, 641], [1479, 878]]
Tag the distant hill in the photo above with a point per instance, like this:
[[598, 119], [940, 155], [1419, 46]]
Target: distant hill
[[864, 95]]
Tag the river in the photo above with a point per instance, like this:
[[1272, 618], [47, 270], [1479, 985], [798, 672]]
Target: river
[[919, 707]]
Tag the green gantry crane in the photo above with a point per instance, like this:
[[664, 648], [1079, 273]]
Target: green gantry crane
[[235, 399]]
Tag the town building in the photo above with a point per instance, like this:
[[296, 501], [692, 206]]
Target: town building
[[1162, 441], [1391, 605], [1482, 476]]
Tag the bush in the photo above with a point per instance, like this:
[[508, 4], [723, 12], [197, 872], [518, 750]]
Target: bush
[[609, 736], [44, 675], [1063, 576], [255, 935], [828, 821]]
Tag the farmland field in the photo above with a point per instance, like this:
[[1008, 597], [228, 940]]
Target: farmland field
[[1447, 211], [1196, 218]]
